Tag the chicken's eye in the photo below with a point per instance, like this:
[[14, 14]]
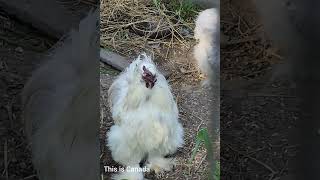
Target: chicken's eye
[[143, 68]]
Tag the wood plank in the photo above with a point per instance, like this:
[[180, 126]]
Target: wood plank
[[115, 60], [120, 62]]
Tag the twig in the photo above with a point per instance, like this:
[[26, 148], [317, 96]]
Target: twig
[[5, 157], [9, 111], [202, 159], [201, 123], [243, 40], [269, 95], [89, 2], [239, 25], [261, 163], [189, 72], [29, 177], [275, 55], [254, 159]]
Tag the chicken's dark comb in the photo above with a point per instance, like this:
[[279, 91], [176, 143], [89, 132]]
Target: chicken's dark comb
[[148, 73]]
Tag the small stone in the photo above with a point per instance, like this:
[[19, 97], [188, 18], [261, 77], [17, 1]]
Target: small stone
[[186, 32], [23, 165], [19, 50], [183, 70], [186, 87]]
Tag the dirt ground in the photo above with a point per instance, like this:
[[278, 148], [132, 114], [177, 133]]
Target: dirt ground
[[21, 48], [258, 116]]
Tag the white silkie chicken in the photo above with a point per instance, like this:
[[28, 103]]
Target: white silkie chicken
[[146, 119], [61, 108], [207, 51]]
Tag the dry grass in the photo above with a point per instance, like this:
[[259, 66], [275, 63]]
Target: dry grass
[[120, 17], [249, 53]]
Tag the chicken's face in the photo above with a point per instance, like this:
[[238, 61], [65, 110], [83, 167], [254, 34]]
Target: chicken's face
[[144, 71], [149, 76]]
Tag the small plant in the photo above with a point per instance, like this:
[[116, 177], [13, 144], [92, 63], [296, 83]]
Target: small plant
[[157, 3], [203, 137], [103, 70], [108, 70], [185, 9], [217, 171]]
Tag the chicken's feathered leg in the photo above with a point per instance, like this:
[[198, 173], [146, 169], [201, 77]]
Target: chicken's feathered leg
[[118, 142]]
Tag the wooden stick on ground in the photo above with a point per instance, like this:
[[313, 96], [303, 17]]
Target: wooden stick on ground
[[119, 62], [115, 60]]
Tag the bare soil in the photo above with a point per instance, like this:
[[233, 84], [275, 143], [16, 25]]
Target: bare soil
[[258, 116], [21, 48]]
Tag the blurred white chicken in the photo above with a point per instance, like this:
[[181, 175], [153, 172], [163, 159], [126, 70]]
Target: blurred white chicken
[[146, 119], [207, 51], [61, 108]]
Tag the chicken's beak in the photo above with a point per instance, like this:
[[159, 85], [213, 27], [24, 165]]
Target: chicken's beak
[[149, 78]]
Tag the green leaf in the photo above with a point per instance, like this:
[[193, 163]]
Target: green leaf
[[196, 148], [217, 171], [203, 137]]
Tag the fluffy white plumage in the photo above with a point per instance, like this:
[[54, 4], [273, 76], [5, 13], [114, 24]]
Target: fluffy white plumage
[[146, 120], [207, 51]]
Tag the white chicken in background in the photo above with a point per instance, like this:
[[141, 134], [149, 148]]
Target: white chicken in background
[[207, 51], [146, 119], [61, 108]]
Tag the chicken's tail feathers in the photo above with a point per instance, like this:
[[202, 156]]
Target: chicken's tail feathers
[[207, 22]]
